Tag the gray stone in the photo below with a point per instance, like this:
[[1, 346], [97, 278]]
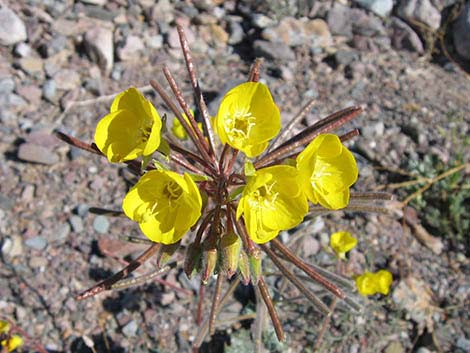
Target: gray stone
[[236, 32], [61, 233], [101, 224], [82, 210], [12, 100], [345, 57], [7, 85], [12, 28], [132, 49], [130, 329], [339, 21], [55, 45], [22, 50], [37, 154], [273, 51], [262, 21], [404, 37], [12, 246], [77, 223], [99, 45], [36, 243], [463, 344], [461, 32], [31, 65], [49, 90], [67, 79], [383, 8], [94, 2], [154, 42], [6, 203], [420, 11]]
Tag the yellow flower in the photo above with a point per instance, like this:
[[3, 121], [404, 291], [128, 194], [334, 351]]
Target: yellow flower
[[342, 242], [165, 204], [4, 327], [272, 201], [327, 170], [248, 118], [12, 343], [178, 129], [371, 283], [131, 129]]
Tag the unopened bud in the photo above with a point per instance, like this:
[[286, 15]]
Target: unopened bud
[[244, 268], [209, 262], [230, 246], [166, 252], [255, 265], [192, 260]]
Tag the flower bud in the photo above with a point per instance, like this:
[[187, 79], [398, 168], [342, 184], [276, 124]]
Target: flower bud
[[230, 246], [244, 268], [209, 262], [192, 260], [255, 265], [166, 252]]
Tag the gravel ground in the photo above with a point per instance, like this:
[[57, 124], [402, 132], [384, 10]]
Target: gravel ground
[[61, 61]]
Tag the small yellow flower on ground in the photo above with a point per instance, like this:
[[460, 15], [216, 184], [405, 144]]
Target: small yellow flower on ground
[[178, 129], [371, 283], [327, 170], [131, 129], [248, 118], [165, 204], [272, 201], [4, 327], [342, 242], [12, 343]]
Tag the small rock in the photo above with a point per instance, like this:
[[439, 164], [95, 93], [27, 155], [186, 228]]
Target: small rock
[[77, 223], [37, 262], [12, 246], [12, 28], [236, 32], [55, 45], [463, 344], [100, 48], [36, 243], [61, 233], [49, 90], [101, 224], [67, 79], [31, 65], [421, 11], [167, 298], [162, 12], [38, 154], [461, 32], [310, 246], [22, 50], [32, 93], [273, 51], [82, 210], [7, 85], [132, 49], [383, 8], [303, 31], [404, 37], [173, 39], [338, 20], [345, 57], [130, 329], [43, 137], [154, 42], [95, 2], [28, 193], [12, 101], [6, 203], [262, 21]]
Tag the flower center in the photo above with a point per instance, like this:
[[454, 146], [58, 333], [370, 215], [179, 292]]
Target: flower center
[[240, 124], [264, 196], [172, 191]]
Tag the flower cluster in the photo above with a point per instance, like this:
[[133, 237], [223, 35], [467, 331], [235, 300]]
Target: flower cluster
[[226, 197]]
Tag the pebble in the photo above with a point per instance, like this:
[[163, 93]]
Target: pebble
[[31, 93], [383, 8], [101, 224], [94, 2], [61, 233], [345, 57], [38, 154], [404, 37], [55, 45], [421, 11], [132, 49], [77, 223], [12, 28], [6, 203], [262, 21], [461, 32], [36, 243], [37, 262], [173, 39], [167, 298], [303, 31], [67, 79], [130, 329], [236, 32], [43, 137], [99, 46], [310, 246], [339, 21], [31, 65], [7, 85], [423, 350], [12, 246], [154, 42], [273, 51], [22, 50], [463, 343], [49, 90]]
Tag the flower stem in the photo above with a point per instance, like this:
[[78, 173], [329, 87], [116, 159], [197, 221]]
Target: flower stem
[[215, 304], [263, 289]]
